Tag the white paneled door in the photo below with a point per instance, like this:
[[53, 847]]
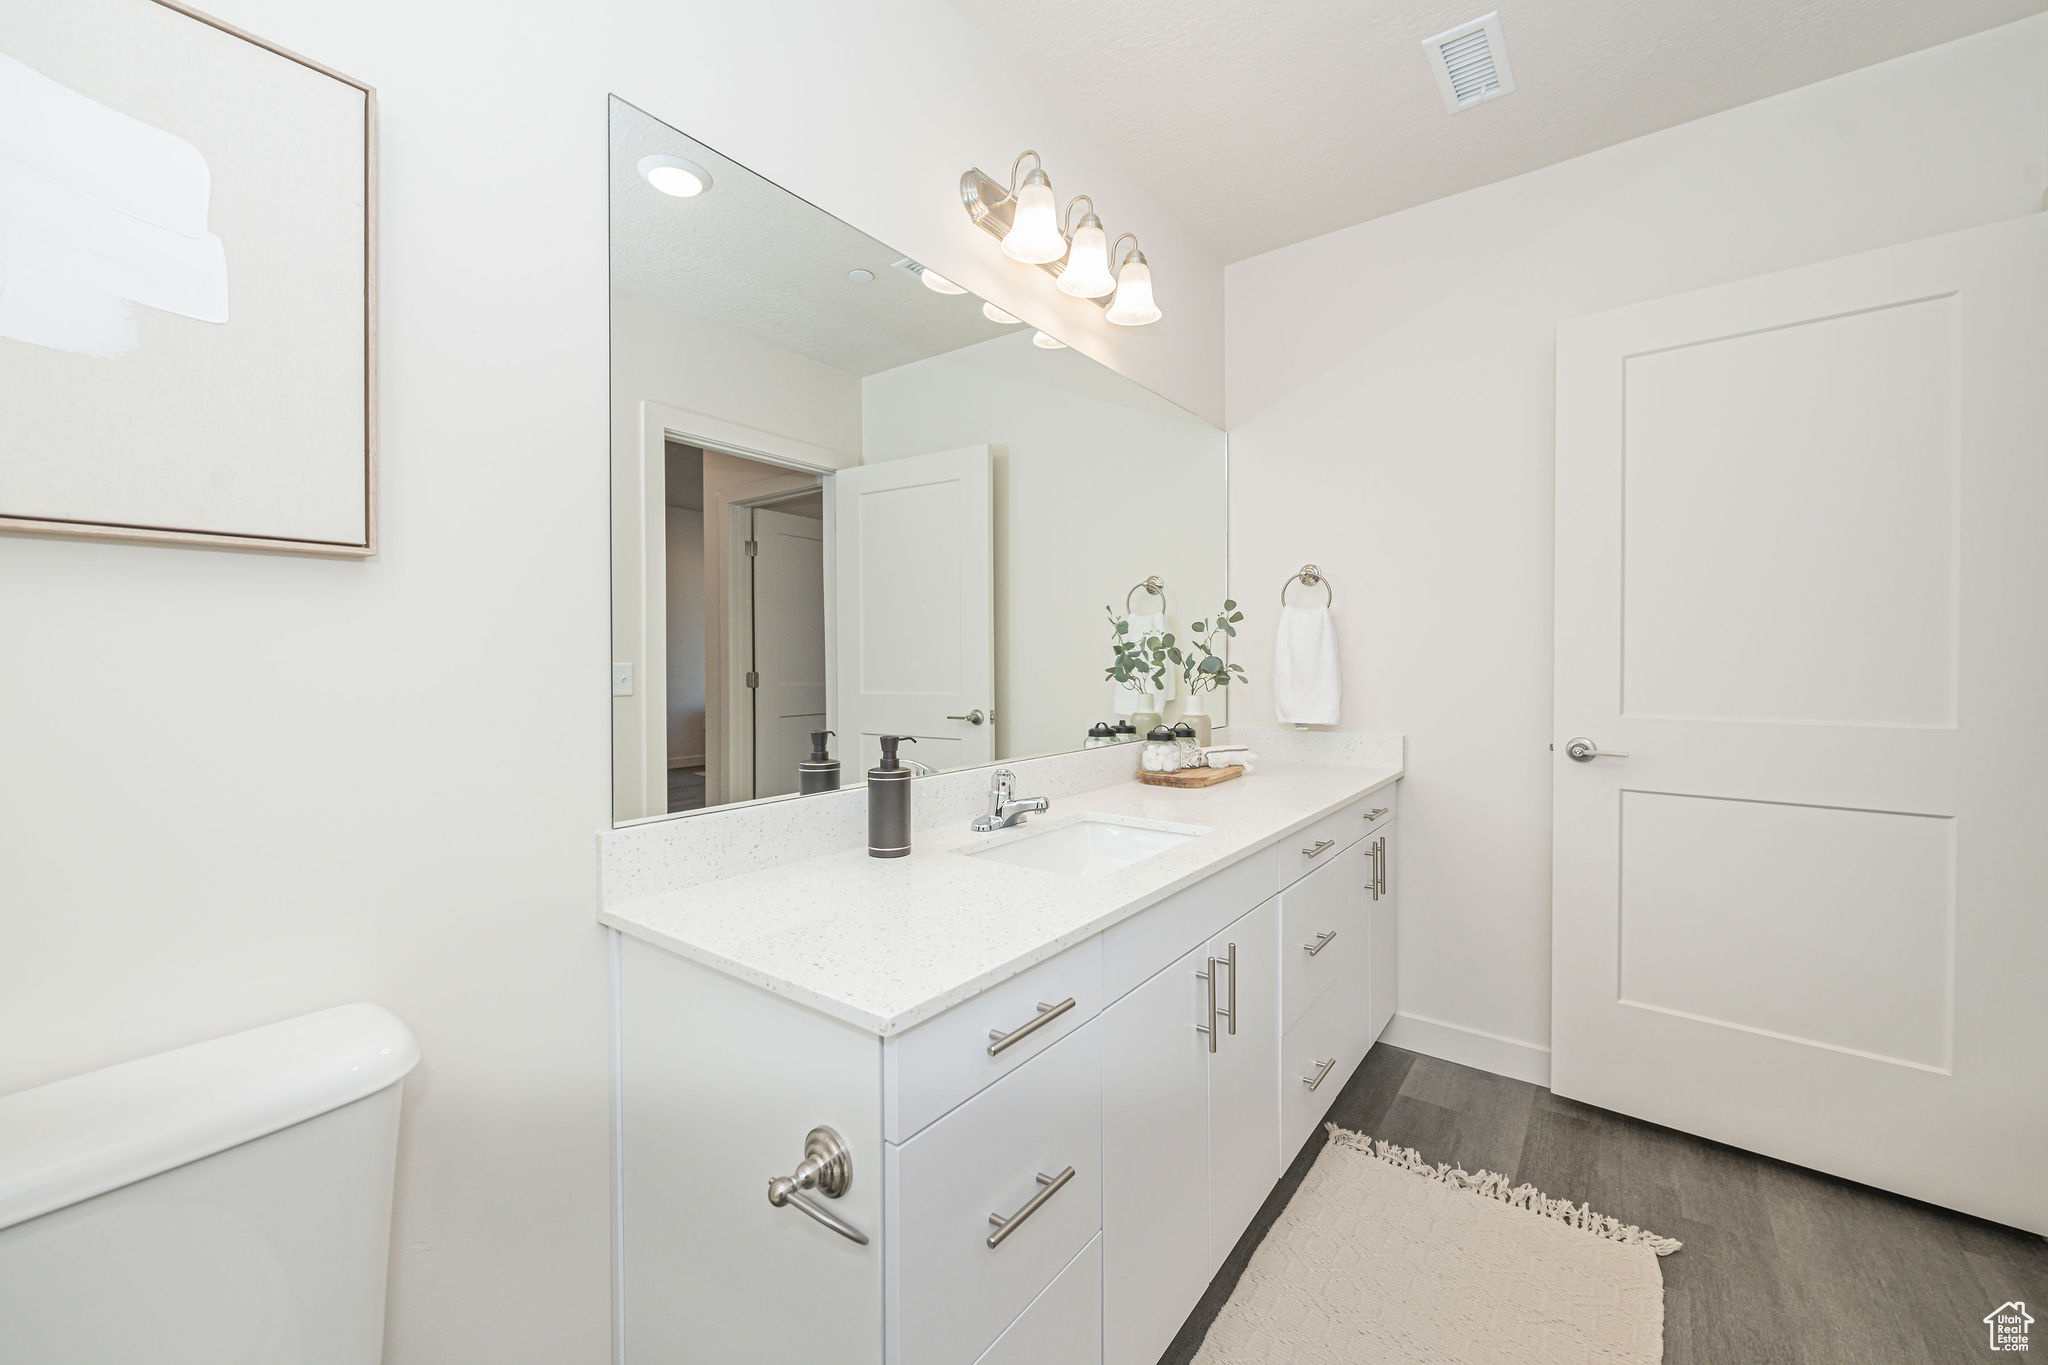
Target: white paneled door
[[789, 644], [1801, 890], [916, 607]]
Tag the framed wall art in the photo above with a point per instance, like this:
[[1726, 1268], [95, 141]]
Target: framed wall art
[[187, 283]]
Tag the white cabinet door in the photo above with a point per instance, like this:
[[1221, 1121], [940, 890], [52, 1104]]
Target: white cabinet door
[[1383, 942], [1155, 1161], [1351, 997], [1244, 1087], [1798, 891]]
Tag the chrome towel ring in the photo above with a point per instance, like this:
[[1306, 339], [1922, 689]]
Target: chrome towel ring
[[1311, 575], [1154, 585]]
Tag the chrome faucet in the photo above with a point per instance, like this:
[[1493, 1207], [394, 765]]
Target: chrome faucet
[[1005, 809]]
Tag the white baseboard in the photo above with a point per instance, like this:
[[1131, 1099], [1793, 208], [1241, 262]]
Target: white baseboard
[[1470, 1047], [686, 761]]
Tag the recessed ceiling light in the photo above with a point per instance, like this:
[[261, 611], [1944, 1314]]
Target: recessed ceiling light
[[673, 175], [1047, 343], [938, 283], [995, 314], [860, 276]]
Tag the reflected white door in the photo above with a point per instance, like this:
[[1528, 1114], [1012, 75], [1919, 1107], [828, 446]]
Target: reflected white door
[[915, 607], [789, 644], [1800, 561]]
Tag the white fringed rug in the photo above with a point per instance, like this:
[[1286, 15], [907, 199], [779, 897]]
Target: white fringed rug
[[1383, 1258]]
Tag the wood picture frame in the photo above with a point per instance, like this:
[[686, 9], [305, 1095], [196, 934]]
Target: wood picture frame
[[359, 539]]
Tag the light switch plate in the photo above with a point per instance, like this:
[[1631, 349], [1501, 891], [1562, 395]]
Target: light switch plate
[[622, 680]]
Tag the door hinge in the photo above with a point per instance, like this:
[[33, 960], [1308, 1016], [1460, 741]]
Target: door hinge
[[753, 678], [753, 548]]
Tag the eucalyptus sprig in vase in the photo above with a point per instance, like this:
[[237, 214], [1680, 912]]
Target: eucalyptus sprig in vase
[[1139, 665], [1204, 669]]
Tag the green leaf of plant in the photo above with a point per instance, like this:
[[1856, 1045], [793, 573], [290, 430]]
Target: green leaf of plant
[[1229, 629], [1211, 664], [1238, 617]]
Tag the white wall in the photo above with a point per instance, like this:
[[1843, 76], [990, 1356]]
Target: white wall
[[237, 787], [1391, 403], [1098, 485], [686, 633]]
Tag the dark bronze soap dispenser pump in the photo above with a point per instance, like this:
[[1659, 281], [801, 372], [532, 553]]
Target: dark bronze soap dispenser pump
[[889, 802]]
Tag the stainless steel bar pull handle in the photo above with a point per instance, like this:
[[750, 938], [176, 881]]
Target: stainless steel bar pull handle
[[999, 1040], [1379, 867], [1230, 1011], [1376, 812], [827, 1167], [1322, 1072], [1209, 1028], [1372, 874], [1323, 940], [1322, 846], [1048, 1186]]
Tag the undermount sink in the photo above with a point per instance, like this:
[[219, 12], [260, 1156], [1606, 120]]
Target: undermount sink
[[1087, 847]]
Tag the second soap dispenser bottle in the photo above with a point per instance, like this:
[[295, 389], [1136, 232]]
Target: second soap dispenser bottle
[[889, 802]]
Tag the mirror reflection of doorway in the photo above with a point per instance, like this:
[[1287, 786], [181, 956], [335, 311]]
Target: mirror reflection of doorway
[[745, 625]]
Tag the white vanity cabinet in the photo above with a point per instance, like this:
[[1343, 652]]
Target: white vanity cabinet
[[1189, 1142], [1050, 1170]]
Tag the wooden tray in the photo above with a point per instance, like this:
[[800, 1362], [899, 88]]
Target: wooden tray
[[1190, 777]]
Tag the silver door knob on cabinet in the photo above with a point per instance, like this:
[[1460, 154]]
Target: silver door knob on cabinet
[[973, 717], [827, 1167], [1582, 750]]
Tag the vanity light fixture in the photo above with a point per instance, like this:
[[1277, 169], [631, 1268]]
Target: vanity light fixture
[[938, 283], [1087, 275], [1133, 305], [1077, 254], [1034, 236], [673, 175], [1046, 342], [995, 314]]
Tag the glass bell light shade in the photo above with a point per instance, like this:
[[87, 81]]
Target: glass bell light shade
[[1133, 305], [1087, 274], [938, 283], [1034, 236]]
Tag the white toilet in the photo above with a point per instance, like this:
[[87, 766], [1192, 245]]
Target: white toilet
[[225, 1204]]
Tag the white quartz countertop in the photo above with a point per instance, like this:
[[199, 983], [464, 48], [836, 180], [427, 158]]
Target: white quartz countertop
[[887, 943]]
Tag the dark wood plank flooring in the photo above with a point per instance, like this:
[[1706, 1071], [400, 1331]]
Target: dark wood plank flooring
[[1781, 1266], [685, 789]]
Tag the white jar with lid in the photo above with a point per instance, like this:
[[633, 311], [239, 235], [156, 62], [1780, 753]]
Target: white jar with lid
[[1162, 752]]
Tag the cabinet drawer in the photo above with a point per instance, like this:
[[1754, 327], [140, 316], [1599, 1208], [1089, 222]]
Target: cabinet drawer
[[1317, 924], [1316, 1038], [1137, 948], [1303, 853], [949, 1292], [946, 1060], [1063, 1326]]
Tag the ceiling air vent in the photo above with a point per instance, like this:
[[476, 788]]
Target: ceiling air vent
[[1471, 63]]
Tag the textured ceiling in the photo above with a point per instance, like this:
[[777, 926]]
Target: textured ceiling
[[751, 256], [1265, 122]]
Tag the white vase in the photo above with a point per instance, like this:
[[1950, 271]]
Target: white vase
[[1195, 711]]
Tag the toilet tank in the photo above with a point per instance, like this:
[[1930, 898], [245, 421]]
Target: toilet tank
[[227, 1204]]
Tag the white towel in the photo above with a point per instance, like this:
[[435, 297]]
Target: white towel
[[1129, 703], [1306, 683]]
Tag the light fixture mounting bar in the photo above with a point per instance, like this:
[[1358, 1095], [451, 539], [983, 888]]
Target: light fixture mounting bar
[[993, 210]]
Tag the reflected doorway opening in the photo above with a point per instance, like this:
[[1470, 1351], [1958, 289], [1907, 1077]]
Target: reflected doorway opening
[[745, 624]]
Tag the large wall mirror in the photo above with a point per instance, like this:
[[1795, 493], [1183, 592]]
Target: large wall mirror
[[848, 497]]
